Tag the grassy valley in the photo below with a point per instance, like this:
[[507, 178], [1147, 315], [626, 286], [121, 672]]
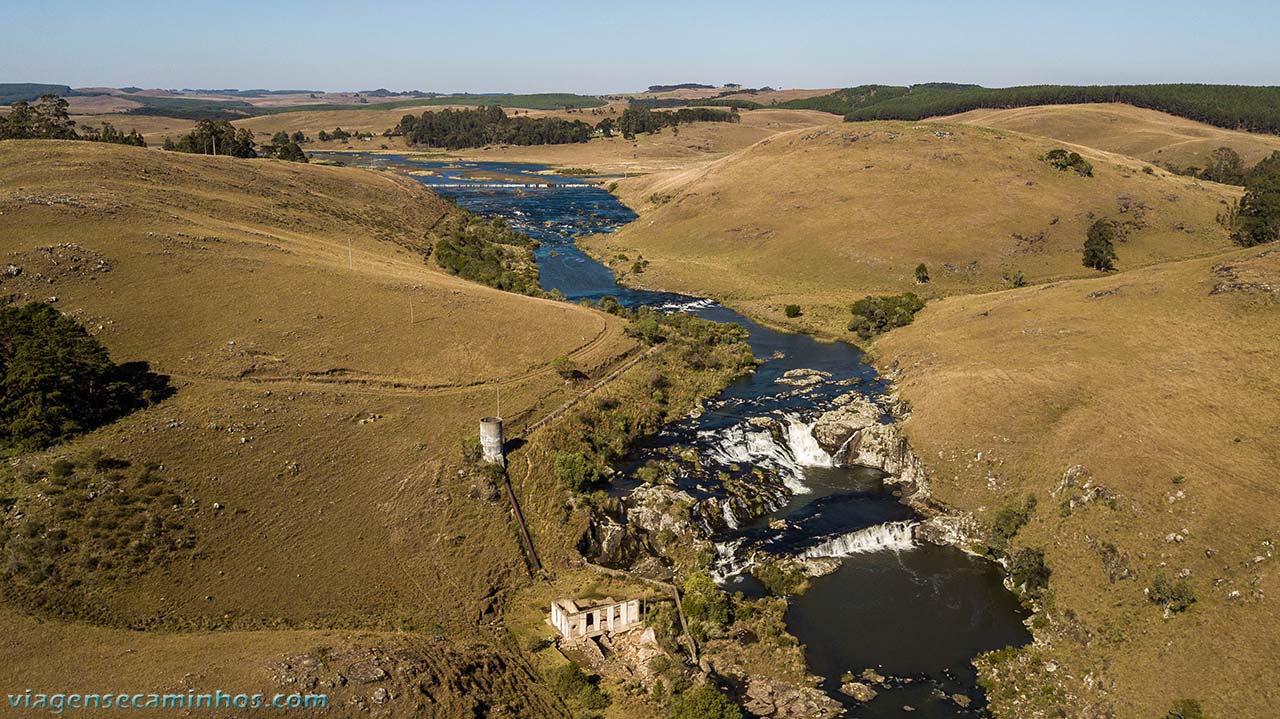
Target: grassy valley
[[853, 209]]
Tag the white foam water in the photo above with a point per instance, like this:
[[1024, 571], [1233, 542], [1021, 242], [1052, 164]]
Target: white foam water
[[727, 563], [805, 449], [894, 536], [744, 444]]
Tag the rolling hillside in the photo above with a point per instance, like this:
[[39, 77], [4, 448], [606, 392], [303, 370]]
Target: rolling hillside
[[1144, 134], [821, 217], [1158, 386], [324, 374]]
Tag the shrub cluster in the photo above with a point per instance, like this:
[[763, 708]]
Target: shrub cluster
[[1176, 596], [1064, 160], [873, 315]]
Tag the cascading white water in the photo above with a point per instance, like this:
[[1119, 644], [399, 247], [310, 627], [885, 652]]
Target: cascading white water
[[728, 563], [805, 449], [744, 444], [894, 536]]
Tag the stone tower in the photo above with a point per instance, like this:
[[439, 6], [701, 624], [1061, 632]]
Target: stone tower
[[491, 440]]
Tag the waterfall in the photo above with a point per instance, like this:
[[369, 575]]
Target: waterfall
[[727, 563], [805, 449], [890, 535]]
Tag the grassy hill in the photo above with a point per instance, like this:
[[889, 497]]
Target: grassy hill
[[1161, 383], [325, 375], [820, 217], [1237, 107], [1145, 134]]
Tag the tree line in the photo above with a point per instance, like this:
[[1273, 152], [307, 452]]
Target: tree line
[[457, 129], [1235, 107], [636, 120], [220, 137], [48, 119]]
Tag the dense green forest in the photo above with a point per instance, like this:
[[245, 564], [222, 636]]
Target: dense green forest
[[456, 129], [48, 120], [634, 121], [1236, 107], [1256, 218], [653, 103], [57, 381]]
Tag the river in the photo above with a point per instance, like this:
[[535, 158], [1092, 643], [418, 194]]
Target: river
[[917, 613]]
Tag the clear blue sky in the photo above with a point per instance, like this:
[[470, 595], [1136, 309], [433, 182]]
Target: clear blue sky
[[608, 47]]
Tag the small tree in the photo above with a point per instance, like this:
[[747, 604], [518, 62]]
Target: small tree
[[565, 367], [1224, 166], [792, 310], [922, 273], [1099, 247]]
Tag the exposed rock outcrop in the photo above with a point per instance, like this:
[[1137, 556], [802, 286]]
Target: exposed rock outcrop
[[854, 434], [771, 698]]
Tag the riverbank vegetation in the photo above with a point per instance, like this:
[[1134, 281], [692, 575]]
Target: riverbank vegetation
[[489, 252], [693, 358], [873, 315]]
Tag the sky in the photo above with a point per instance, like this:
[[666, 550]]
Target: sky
[[601, 47]]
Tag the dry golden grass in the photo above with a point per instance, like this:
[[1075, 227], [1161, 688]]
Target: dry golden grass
[[1141, 377], [820, 217], [1147, 134], [360, 118], [319, 417], [693, 146]]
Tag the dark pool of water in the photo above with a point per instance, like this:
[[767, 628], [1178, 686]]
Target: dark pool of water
[[919, 614]]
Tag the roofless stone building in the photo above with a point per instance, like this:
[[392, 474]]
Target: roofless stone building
[[582, 622]]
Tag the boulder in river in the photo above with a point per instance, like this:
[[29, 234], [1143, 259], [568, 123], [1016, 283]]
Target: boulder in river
[[859, 691], [835, 428]]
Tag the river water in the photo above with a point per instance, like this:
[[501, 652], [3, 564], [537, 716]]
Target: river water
[[916, 613]]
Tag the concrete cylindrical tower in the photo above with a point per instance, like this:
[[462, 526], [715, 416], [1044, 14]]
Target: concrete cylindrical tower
[[491, 440]]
